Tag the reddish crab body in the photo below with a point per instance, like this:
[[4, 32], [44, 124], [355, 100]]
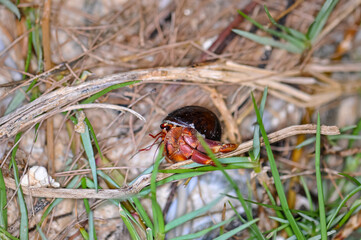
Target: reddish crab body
[[179, 133]]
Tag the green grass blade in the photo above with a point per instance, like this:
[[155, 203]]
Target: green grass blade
[[317, 26], [96, 143], [92, 232], [189, 216], [84, 233], [106, 90], [355, 206], [248, 211], [176, 177], [276, 176], [307, 192], [94, 136], [321, 201], [107, 178], [149, 234], [4, 234], [42, 235], [37, 44], [269, 41], [230, 160], [289, 38], [350, 127], [19, 97], [277, 208], [319, 236], [72, 184], [86, 202], [210, 168], [133, 233], [345, 136], [274, 207], [355, 132], [146, 171], [85, 136], [142, 213], [158, 218], [12, 7], [306, 142], [229, 234], [274, 231], [3, 202], [203, 232], [19, 94], [280, 220], [290, 31], [352, 179], [309, 218], [343, 202], [130, 215], [278, 213], [236, 212], [24, 224], [30, 50], [251, 20], [89, 183], [256, 140]]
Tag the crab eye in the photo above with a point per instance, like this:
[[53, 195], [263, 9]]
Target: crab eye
[[165, 126]]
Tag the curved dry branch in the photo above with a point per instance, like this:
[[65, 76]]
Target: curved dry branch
[[282, 134]]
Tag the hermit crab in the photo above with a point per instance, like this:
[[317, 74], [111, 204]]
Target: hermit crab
[[179, 134]]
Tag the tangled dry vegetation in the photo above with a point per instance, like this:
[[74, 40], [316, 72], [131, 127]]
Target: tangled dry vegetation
[[156, 56]]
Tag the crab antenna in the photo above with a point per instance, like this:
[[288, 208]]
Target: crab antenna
[[155, 136]]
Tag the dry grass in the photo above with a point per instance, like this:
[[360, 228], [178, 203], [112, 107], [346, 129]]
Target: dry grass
[[168, 49]]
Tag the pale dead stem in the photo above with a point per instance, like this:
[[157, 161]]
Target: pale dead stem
[[341, 67], [143, 181], [231, 125], [46, 39], [14, 42], [219, 73], [103, 105], [282, 134]]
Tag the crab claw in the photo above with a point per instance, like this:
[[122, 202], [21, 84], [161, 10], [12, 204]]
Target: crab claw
[[202, 158], [217, 147]]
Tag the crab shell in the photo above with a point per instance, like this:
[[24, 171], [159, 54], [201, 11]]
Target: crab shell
[[179, 133]]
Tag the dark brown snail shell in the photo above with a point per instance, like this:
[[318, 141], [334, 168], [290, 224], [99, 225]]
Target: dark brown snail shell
[[199, 118]]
